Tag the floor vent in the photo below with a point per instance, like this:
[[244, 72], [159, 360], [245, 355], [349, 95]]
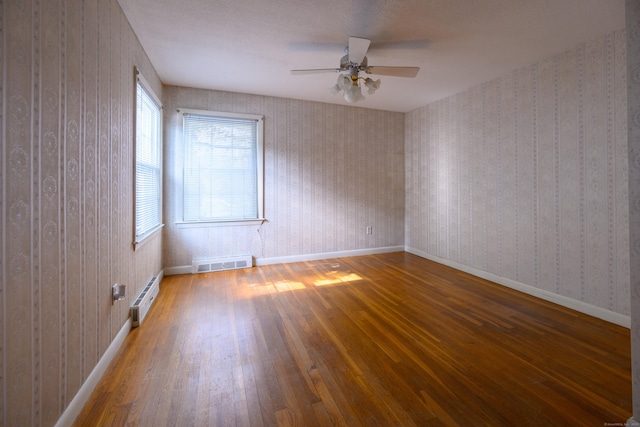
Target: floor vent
[[142, 304], [218, 264]]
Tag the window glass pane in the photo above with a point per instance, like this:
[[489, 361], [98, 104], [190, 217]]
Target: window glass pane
[[220, 173], [148, 163]]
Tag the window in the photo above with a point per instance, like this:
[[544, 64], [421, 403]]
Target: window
[[148, 154], [222, 167]]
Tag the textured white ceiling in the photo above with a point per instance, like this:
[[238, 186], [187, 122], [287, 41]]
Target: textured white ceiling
[[249, 46]]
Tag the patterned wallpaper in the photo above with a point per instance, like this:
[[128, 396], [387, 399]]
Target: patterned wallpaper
[[632, 12], [525, 176], [330, 171], [66, 207]]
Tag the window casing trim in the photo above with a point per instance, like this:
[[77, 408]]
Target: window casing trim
[[179, 170], [220, 223], [138, 240]]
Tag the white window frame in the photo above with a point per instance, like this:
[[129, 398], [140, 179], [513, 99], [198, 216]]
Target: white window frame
[[140, 236], [179, 170]]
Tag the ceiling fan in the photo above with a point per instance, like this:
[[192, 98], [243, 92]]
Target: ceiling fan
[[352, 64]]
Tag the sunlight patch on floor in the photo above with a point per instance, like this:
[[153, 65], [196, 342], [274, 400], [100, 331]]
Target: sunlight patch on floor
[[292, 285], [342, 279], [275, 287]]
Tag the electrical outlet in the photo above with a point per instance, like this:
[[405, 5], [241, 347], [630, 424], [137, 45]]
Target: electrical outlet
[[369, 230], [117, 292]]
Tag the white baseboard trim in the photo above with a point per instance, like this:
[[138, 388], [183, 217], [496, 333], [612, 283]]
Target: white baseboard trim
[[160, 276], [186, 269], [75, 407], [582, 307], [328, 255], [172, 271]]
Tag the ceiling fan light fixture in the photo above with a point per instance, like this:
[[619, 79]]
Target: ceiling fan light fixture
[[352, 92], [354, 62]]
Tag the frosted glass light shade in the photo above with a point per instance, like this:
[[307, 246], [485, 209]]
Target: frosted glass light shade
[[372, 85], [353, 94], [344, 82]]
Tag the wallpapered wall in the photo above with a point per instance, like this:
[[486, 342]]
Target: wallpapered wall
[[330, 171], [67, 203], [525, 177], [632, 12]]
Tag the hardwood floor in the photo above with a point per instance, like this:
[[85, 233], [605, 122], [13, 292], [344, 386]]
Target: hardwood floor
[[382, 340]]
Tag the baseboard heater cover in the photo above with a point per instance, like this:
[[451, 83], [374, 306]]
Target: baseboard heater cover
[[221, 263], [142, 304]]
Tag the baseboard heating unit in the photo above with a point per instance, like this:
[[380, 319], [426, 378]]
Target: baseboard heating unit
[[142, 304], [222, 263]]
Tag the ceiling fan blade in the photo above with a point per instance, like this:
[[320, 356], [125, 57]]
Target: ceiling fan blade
[[393, 71], [401, 44], [358, 49], [315, 71]]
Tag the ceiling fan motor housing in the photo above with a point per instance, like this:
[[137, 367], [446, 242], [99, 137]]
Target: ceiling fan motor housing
[[345, 65]]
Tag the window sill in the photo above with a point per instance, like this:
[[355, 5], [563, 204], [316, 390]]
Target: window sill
[[147, 237], [226, 223]]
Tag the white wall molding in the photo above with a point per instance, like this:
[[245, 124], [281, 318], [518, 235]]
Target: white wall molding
[[564, 301], [182, 269], [328, 255], [186, 269], [81, 398]]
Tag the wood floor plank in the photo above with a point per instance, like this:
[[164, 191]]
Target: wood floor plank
[[390, 339]]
